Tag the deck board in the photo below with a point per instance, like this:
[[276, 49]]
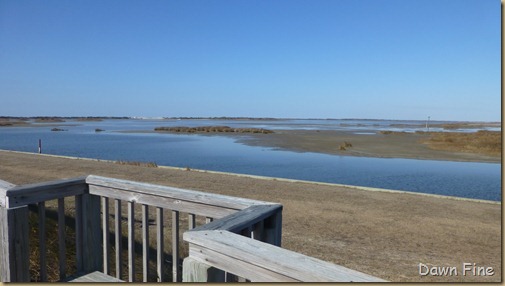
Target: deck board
[[96, 276]]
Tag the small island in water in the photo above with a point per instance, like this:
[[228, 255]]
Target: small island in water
[[212, 129]]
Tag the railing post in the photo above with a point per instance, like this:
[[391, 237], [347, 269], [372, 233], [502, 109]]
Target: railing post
[[273, 229], [14, 252], [195, 271], [92, 250]]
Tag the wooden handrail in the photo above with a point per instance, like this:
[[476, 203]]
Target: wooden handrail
[[266, 218], [199, 203], [262, 262], [238, 221], [35, 193], [13, 196], [222, 201]]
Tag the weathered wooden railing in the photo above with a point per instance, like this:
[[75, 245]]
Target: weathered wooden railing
[[236, 237]]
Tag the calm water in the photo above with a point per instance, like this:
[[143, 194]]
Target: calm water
[[471, 180]]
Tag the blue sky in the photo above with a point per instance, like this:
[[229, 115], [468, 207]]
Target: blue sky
[[380, 59]]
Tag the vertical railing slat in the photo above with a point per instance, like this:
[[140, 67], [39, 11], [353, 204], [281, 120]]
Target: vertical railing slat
[[118, 239], [160, 243], [78, 232], [105, 228], [145, 242], [62, 248], [257, 232], [42, 241], [92, 234], [191, 221], [131, 242], [175, 246]]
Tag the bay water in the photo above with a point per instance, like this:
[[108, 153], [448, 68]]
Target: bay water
[[221, 153]]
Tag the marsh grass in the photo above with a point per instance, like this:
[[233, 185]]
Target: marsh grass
[[345, 145], [212, 129], [481, 142], [10, 122], [388, 132], [97, 119], [464, 125], [48, 119]]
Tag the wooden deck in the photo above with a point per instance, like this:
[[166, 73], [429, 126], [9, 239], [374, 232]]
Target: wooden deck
[[237, 240]]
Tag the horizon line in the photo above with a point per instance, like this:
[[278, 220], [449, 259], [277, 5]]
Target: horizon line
[[235, 117]]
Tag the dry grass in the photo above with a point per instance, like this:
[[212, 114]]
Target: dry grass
[[137, 163], [345, 145], [382, 234], [481, 142], [465, 125], [48, 119], [51, 238], [388, 132], [11, 122], [89, 119]]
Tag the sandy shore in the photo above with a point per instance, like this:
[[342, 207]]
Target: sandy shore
[[379, 233]]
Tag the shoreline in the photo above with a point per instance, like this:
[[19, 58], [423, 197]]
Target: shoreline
[[365, 143], [267, 178], [384, 234]]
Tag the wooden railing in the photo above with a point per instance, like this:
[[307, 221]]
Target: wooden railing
[[227, 238]]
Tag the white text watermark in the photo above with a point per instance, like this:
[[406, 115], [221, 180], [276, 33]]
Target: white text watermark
[[466, 269]]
